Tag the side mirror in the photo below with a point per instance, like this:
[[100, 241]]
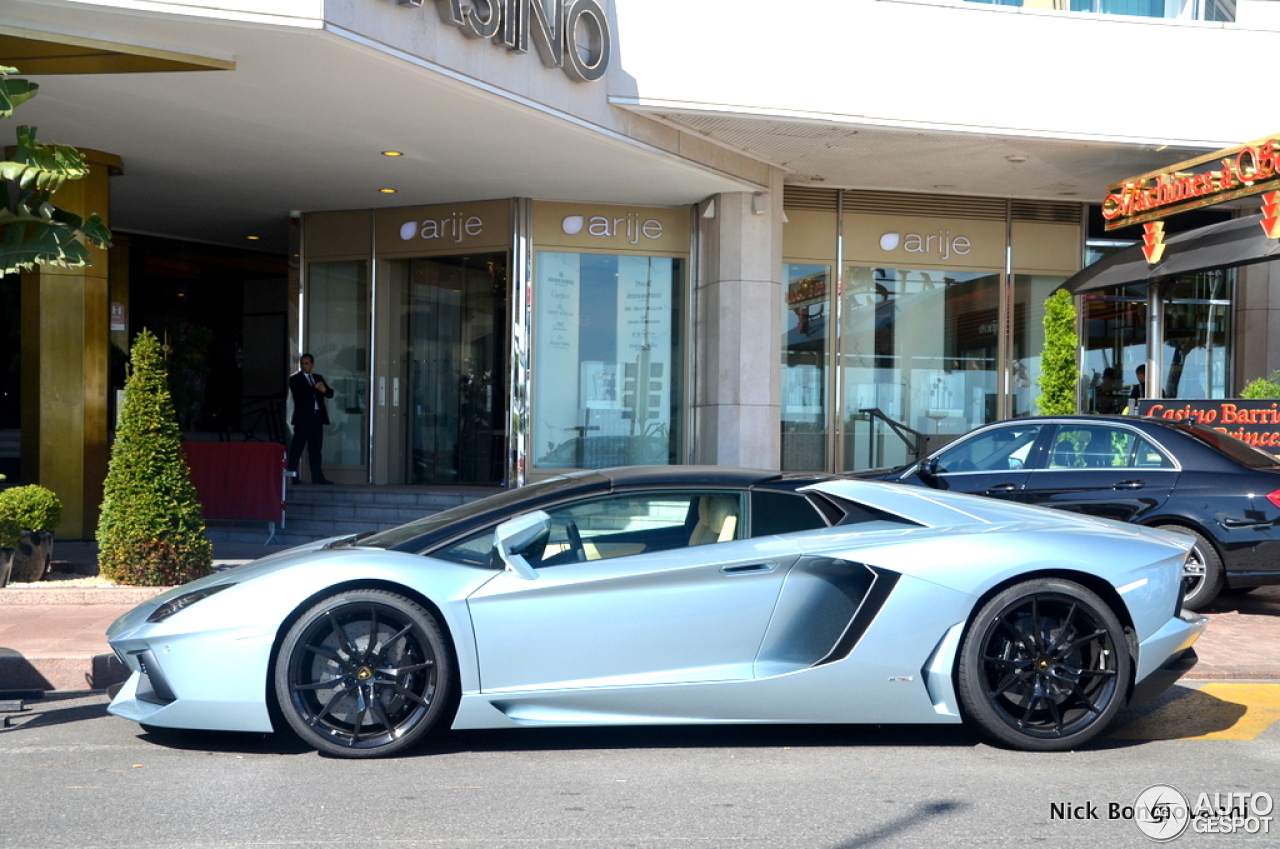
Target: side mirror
[[928, 471], [516, 535]]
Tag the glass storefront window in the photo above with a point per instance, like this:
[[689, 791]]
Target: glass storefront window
[[608, 360], [805, 353], [921, 347], [1195, 361], [1030, 292], [338, 336]]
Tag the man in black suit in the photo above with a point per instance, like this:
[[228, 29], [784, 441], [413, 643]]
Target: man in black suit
[[310, 416]]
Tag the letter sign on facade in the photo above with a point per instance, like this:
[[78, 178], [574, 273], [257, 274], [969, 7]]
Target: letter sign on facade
[[572, 35]]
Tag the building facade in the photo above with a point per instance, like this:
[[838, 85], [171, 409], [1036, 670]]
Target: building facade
[[527, 236]]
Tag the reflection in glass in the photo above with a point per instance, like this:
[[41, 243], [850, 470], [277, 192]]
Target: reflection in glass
[[338, 337], [456, 309], [921, 346], [805, 352], [1030, 292], [608, 355], [1197, 331]]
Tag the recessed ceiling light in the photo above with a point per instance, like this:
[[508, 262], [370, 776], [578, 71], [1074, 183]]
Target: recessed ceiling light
[[253, 238], [387, 191], [392, 153], [1016, 158], [1068, 194]]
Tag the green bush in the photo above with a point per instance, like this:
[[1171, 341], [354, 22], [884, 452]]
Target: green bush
[[31, 508], [151, 531], [1058, 372], [10, 533], [1263, 387]]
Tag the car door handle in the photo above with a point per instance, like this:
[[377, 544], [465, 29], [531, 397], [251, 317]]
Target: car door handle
[[1000, 489], [1130, 485], [747, 569]]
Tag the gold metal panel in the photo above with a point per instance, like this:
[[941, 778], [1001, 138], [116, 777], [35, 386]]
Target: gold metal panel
[[39, 53], [337, 235], [809, 236], [611, 229], [449, 228], [894, 241], [1041, 248]]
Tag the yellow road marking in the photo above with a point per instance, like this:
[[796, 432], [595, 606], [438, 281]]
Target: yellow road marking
[[1218, 711]]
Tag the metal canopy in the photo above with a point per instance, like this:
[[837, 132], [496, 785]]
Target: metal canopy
[[1240, 241]]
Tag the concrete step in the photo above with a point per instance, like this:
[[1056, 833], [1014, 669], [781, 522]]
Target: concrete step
[[319, 512]]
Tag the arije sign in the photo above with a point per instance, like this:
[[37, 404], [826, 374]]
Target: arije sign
[[572, 35]]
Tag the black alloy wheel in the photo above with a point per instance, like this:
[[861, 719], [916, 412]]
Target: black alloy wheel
[[1202, 573], [364, 673], [1044, 666]]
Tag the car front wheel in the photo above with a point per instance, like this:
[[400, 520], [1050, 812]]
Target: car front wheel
[[1044, 666], [364, 673]]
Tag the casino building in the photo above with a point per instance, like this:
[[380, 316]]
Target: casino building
[[525, 236]]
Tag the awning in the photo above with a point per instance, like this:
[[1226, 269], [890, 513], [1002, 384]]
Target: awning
[[1240, 241]]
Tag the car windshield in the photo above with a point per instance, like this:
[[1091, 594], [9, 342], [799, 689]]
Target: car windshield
[[1237, 449], [428, 524]]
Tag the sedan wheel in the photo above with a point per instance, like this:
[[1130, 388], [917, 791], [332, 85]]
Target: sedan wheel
[[363, 673], [1202, 574], [1044, 666]]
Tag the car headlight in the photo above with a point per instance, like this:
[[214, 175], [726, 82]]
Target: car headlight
[[184, 601]]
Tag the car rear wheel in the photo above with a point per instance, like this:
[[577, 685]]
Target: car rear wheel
[[1202, 573], [1044, 666], [364, 673]]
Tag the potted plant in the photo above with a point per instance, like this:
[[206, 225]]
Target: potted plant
[[9, 535], [34, 511]]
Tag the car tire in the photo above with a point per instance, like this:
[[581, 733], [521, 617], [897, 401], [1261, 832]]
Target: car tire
[[1206, 580], [1044, 666], [363, 673]]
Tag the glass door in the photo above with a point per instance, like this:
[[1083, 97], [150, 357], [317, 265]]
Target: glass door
[[455, 313], [338, 338]]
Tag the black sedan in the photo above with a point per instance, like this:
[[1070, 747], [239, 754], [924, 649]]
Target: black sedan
[[1178, 476]]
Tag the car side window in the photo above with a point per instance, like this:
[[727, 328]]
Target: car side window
[[475, 550], [996, 450], [783, 513], [1091, 447], [640, 523], [1147, 456]]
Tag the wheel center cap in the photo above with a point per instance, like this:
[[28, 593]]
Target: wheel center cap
[[1042, 664], [364, 673]]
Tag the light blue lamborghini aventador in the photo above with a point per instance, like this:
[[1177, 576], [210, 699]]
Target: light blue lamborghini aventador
[[650, 595]]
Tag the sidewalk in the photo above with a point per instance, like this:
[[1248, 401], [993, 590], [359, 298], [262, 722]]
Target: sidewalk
[[53, 637], [53, 634]]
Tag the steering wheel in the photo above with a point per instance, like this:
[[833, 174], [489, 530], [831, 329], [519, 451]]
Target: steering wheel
[[575, 542]]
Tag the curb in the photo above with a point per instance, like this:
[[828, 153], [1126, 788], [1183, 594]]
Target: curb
[[35, 594]]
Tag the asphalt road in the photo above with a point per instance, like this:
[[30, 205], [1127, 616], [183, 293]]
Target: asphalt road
[[72, 775]]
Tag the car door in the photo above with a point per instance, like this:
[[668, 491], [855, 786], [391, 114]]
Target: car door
[[621, 596], [993, 462], [1105, 470]]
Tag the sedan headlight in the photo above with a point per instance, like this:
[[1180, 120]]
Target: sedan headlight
[[184, 601]]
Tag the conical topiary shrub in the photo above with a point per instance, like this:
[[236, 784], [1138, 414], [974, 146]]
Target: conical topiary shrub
[[1058, 372], [151, 532]]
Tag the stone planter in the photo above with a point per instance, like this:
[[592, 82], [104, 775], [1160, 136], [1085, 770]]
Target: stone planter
[[6, 564], [31, 557]]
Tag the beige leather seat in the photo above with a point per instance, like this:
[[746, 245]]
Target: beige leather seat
[[717, 520]]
